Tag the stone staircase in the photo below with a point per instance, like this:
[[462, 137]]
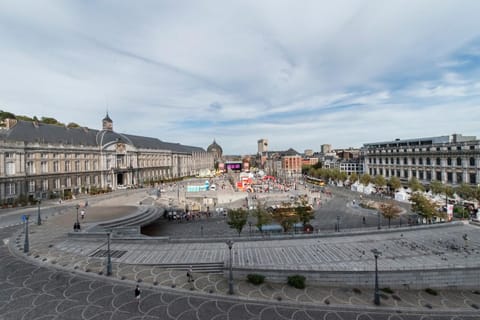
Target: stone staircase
[[203, 267]]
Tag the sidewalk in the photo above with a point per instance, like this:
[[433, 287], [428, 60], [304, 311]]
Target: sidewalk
[[44, 249]]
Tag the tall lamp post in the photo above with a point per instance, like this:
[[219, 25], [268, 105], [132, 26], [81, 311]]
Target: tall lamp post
[[26, 245], [378, 220], [109, 256], [376, 297], [39, 218], [230, 275], [76, 226]]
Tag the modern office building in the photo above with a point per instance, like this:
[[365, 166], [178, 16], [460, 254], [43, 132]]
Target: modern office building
[[40, 160], [452, 159]]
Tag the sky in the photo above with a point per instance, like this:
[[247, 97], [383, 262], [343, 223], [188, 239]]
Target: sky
[[297, 73]]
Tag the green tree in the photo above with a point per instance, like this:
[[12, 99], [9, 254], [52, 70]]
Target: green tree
[[304, 211], [390, 210], [237, 218], [379, 181], [437, 187], [465, 191], [263, 217], [415, 185], [48, 120], [285, 216], [365, 179], [424, 207], [353, 177], [73, 125], [343, 176], [395, 183]]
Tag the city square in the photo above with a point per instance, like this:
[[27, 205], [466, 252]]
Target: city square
[[159, 268]]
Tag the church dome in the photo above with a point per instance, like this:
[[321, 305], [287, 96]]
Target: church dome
[[216, 149]]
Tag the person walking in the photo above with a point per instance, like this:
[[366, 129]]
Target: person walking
[[137, 293], [82, 213], [190, 274]]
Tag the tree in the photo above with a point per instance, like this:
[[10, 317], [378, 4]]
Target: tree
[[365, 179], [395, 183], [390, 210], [73, 125], [379, 181], [424, 207], [343, 176], [237, 218], [285, 216], [353, 177], [304, 211], [262, 215], [415, 185], [465, 191], [437, 187]]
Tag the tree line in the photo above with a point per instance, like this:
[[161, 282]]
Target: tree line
[[46, 120]]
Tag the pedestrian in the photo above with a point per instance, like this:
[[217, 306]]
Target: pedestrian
[[82, 213], [190, 274], [137, 293]]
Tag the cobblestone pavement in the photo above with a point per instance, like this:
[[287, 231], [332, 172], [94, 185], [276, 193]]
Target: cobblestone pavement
[[50, 283]]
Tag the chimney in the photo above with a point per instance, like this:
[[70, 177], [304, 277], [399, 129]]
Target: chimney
[[10, 123]]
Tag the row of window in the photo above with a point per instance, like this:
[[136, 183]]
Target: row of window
[[449, 161], [450, 148], [425, 175]]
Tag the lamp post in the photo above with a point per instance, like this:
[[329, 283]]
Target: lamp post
[[338, 223], [26, 245], [376, 297], [109, 257], [76, 225], [39, 218], [230, 275], [378, 220], [250, 228]]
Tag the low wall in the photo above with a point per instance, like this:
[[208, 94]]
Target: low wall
[[411, 279]]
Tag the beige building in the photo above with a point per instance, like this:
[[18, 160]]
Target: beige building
[[453, 159], [44, 161]]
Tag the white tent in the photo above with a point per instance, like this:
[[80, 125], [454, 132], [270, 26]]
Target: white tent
[[401, 195], [369, 189]]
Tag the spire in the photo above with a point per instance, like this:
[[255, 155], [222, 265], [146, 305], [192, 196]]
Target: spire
[[107, 123]]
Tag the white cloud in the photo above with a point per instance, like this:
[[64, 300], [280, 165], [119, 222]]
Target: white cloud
[[302, 73]]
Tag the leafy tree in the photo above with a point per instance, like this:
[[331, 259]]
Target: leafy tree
[[237, 218], [379, 181], [465, 191], [415, 185], [390, 210], [6, 115], [262, 215], [425, 207], [285, 216], [395, 183], [353, 177], [365, 179], [449, 192], [304, 212], [73, 125], [48, 120], [343, 176], [437, 187]]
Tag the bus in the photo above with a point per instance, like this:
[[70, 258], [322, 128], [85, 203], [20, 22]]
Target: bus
[[315, 181]]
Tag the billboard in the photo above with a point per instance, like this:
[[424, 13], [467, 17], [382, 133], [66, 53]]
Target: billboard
[[233, 166]]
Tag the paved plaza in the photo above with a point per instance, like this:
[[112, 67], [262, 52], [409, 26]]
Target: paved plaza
[[60, 279]]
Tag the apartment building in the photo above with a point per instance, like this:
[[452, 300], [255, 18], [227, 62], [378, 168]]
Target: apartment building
[[452, 159]]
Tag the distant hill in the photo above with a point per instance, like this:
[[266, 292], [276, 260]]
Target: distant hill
[[47, 120]]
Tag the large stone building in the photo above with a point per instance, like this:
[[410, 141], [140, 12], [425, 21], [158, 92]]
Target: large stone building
[[40, 160], [453, 159]]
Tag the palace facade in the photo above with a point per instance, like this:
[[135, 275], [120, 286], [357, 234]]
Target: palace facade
[[453, 159], [41, 161]]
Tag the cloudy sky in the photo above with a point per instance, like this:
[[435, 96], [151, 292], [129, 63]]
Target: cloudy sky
[[298, 73]]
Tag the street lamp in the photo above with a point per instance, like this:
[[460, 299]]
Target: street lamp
[[378, 220], [250, 228], [26, 245], [338, 223], [376, 297], [39, 218], [109, 257], [230, 276], [76, 226]]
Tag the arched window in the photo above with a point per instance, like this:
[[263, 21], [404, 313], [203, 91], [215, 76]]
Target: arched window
[[449, 162], [428, 161], [459, 161], [472, 161], [438, 161]]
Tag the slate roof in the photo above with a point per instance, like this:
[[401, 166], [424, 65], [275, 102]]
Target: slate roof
[[31, 132]]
